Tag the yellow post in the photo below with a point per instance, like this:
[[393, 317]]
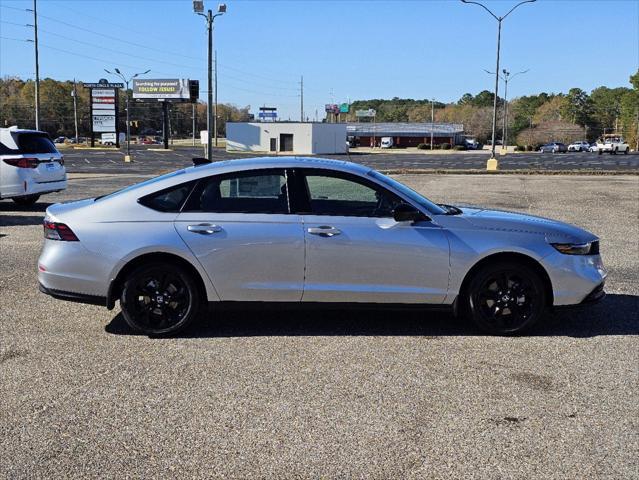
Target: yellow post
[[492, 164], [127, 158]]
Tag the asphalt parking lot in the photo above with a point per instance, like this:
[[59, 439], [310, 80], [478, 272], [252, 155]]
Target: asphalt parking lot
[[154, 159], [330, 394]]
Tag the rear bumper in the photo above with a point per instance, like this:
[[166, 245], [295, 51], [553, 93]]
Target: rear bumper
[[73, 297]]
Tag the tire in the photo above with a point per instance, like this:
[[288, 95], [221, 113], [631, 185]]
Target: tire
[[600, 151], [502, 287], [26, 201], [614, 152], [160, 299], [625, 152]]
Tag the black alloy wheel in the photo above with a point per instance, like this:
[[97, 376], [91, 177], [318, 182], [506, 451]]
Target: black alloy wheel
[[506, 298], [160, 299]]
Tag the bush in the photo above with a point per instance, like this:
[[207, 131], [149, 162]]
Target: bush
[[460, 147], [445, 146], [422, 146], [520, 148], [529, 148]]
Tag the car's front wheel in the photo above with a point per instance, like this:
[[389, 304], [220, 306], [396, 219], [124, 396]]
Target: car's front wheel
[[160, 299], [26, 201], [505, 298]]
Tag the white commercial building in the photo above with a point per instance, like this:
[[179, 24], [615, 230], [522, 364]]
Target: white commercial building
[[290, 137]]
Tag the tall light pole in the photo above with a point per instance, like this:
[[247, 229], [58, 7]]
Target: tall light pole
[[492, 161], [432, 121], [198, 8], [507, 76], [127, 157]]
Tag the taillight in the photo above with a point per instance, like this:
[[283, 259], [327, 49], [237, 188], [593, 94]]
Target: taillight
[[22, 162], [58, 231]]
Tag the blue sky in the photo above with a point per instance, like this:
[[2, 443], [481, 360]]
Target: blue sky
[[354, 49]]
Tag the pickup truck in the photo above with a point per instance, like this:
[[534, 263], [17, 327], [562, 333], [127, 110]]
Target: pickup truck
[[612, 144]]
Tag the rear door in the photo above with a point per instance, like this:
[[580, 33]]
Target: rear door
[[38, 145], [357, 252], [240, 228]]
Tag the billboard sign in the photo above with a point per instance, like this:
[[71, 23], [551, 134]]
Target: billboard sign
[[267, 114], [331, 108], [366, 113], [176, 89]]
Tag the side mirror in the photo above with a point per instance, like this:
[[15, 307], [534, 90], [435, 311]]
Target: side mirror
[[407, 213]]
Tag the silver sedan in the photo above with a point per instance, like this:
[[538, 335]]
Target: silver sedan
[[302, 230]]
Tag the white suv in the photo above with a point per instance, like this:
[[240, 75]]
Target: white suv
[[30, 165], [582, 146]]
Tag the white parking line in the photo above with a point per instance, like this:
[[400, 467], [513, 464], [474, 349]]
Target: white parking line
[[86, 160]]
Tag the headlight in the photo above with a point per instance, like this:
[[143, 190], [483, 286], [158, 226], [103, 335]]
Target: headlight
[[590, 248]]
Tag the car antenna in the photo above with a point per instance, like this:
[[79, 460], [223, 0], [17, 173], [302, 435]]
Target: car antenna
[[200, 161]]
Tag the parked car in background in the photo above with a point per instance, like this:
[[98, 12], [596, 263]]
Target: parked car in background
[[308, 230], [612, 144], [30, 165], [553, 147], [593, 147], [60, 140], [387, 142], [581, 146], [471, 144]]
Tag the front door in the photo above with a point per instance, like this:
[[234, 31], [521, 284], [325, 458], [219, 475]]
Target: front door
[[356, 251], [286, 142], [239, 227]]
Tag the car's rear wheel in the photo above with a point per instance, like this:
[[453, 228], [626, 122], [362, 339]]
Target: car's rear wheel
[[26, 201], [505, 298], [160, 299]]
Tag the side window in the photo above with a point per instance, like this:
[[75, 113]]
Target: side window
[[344, 196], [245, 192], [169, 199]]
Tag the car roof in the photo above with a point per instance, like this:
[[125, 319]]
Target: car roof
[[278, 162]]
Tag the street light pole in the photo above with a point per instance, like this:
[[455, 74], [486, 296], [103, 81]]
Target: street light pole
[[506, 78], [127, 157], [492, 161], [432, 121], [211, 123]]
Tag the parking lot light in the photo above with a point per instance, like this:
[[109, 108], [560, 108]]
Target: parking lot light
[[492, 163], [127, 157]]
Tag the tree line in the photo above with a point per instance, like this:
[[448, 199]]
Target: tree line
[[17, 100], [531, 120]]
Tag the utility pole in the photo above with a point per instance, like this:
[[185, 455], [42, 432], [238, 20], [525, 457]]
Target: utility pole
[[432, 122], [75, 110], [37, 66], [193, 118], [215, 104], [302, 98]]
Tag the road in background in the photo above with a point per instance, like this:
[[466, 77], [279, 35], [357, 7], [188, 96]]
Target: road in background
[[154, 161]]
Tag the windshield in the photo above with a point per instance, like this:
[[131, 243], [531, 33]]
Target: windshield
[[141, 184], [411, 194]]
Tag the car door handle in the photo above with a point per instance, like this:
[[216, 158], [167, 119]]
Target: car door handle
[[324, 231], [204, 228]]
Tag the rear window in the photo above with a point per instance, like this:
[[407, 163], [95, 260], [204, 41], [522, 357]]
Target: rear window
[[170, 199], [35, 143]]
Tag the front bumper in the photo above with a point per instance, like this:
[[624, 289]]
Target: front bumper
[[575, 278]]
